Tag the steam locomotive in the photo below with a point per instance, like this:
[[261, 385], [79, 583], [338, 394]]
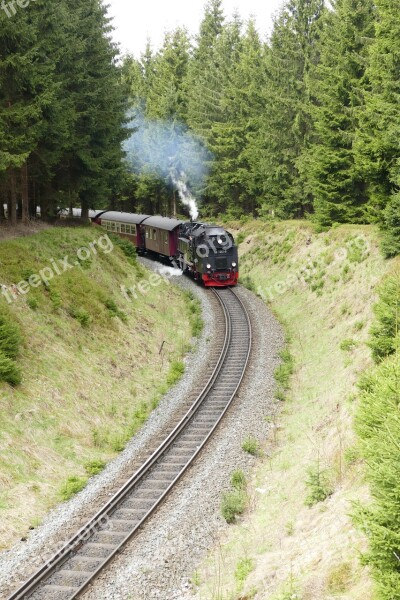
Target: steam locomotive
[[207, 252]]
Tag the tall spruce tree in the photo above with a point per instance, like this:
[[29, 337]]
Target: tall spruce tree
[[336, 85], [204, 86], [377, 143], [234, 180], [286, 127]]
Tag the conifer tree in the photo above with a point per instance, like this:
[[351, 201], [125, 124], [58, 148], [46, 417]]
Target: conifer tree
[[286, 128], [377, 143]]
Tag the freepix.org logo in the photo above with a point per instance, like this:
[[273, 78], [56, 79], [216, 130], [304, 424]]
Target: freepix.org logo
[[10, 8]]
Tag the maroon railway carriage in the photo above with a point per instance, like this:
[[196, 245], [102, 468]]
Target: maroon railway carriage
[[161, 235], [127, 225]]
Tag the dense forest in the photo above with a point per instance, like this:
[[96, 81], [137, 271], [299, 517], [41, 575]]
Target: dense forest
[[303, 125]]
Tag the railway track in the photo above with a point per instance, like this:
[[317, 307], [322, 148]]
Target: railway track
[[68, 573]]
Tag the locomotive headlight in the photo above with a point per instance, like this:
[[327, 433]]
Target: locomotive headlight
[[233, 264], [208, 266]]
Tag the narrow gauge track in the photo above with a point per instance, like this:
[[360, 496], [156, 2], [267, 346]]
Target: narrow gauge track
[[67, 574]]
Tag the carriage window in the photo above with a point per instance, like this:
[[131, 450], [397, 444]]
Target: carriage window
[[112, 226], [165, 238], [155, 234], [147, 233], [118, 227], [123, 228]]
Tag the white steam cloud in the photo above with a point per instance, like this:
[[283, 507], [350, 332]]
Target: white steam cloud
[[169, 151], [187, 198]]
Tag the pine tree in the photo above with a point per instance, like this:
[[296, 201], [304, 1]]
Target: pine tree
[[286, 127], [377, 144], [204, 85], [235, 179], [329, 164], [166, 95]]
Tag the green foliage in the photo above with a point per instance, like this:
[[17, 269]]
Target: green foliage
[[284, 370], [10, 342], [10, 337], [126, 246], [9, 371], [175, 373], [251, 445], [233, 504], [391, 227], [378, 429], [238, 480], [113, 309], [63, 107], [94, 467], [385, 329], [81, 315], [318, 485], [73, 485], [348, 345], [243, 569], [194, 307]]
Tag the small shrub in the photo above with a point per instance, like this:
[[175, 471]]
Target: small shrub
[[81, 315], [118, 443], [72, 486], [391, 227], [284, 371], [318, 486], [243, 569], [10, 338], [114, 311], [384, 334], [9, 371], [238, 480], [55, 298], [240, 238], [233, 504], [248, 283], [32, 303], [251, 445], [175, 373], [358, 325], [94, 467], [348, 345]]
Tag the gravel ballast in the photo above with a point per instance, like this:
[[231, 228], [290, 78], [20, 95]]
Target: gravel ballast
[[160, 560]]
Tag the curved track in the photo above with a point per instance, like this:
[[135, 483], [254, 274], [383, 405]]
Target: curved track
[[66, 575]]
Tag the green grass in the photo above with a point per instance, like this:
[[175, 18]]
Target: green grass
[[88, 368], [316, 420], [73, 485], [251, 445]]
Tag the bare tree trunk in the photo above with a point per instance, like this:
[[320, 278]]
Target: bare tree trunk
[[12, 217], [85, 210], [25, 193]]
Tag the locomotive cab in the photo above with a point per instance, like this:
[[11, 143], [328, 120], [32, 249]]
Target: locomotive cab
[[209, 252]]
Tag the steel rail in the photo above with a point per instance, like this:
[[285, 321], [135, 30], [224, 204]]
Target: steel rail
[[100, 520]]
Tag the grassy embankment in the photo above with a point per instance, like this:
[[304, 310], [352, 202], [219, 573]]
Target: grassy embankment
[[296, 539], [90, 366]]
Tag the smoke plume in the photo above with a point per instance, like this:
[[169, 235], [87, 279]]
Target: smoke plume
[[169, 151]]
